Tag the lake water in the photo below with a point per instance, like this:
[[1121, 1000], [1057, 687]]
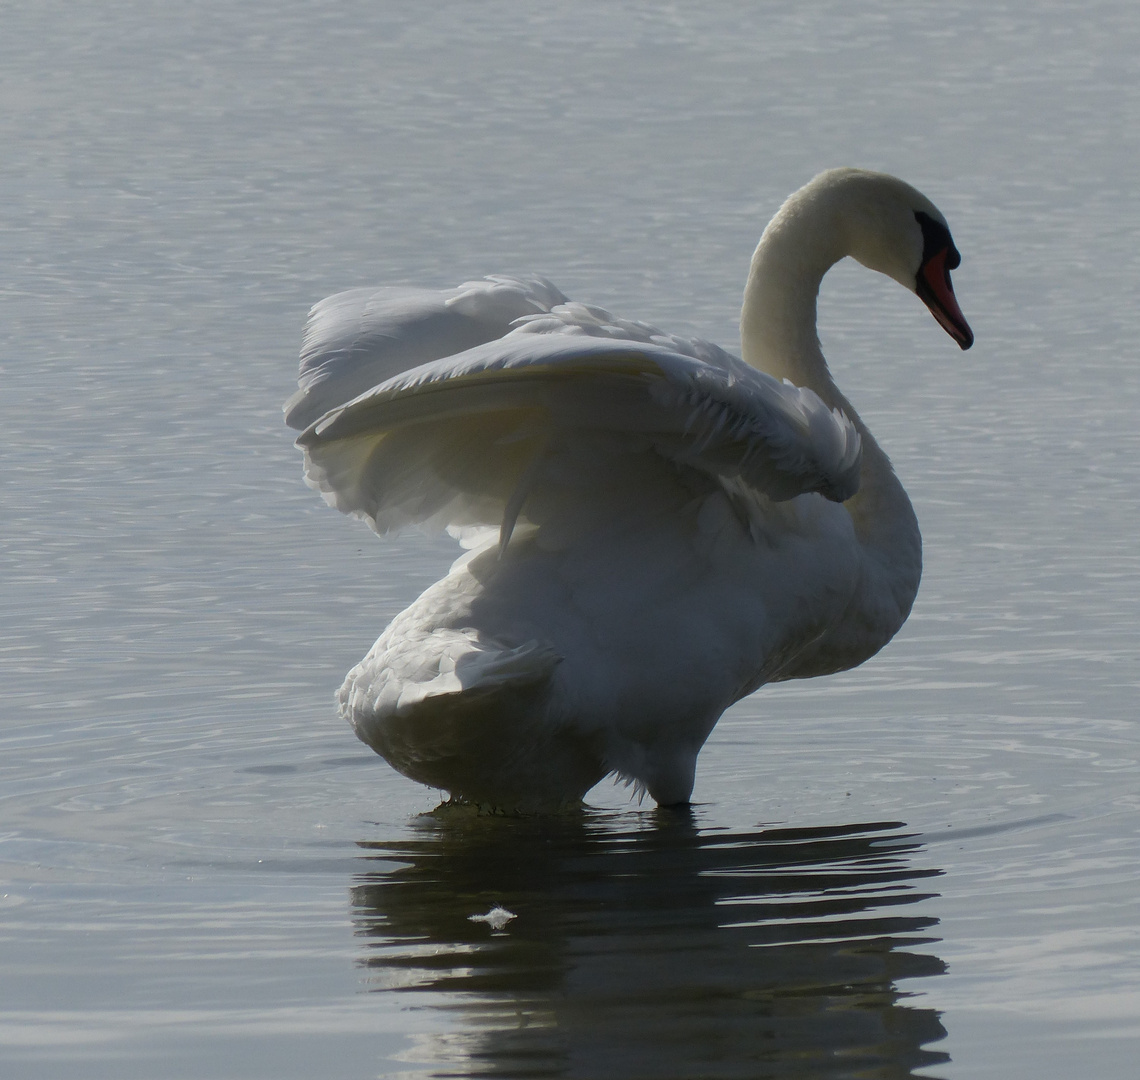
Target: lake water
[[928, 866]]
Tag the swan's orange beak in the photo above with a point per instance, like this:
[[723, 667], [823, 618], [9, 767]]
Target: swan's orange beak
[[934, 289]]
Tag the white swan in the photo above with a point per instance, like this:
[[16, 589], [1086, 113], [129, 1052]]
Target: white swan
[[658, 528]]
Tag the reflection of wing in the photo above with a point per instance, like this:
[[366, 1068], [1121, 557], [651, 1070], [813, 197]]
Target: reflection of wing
[[458, 440], [357, 339]]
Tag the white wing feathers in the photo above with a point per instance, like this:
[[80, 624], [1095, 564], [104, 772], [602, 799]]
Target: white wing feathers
[[460, 440], [355, 340]]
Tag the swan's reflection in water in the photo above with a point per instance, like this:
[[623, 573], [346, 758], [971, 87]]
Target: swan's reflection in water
[[646, 946]]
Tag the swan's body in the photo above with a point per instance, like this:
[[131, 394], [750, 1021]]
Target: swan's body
[[658, 528]]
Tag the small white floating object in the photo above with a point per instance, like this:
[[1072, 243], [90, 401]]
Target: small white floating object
[[496, 918]]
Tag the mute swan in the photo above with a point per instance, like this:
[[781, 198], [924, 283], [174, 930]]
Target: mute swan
[[656, 528]]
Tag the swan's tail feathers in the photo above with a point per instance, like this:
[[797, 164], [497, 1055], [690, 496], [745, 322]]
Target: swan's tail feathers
[[355, 340], [467, 715], [452, 443]]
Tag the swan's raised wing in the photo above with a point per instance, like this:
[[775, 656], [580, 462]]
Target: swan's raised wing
[[357, 339], [462, 441]]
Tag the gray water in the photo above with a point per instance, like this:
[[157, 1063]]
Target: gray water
[[927, 866]]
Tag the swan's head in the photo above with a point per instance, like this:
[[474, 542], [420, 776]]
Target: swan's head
[[895, 229]]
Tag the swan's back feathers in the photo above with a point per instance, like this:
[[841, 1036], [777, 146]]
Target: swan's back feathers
[[460, 441], [357, 339], [571, 317]]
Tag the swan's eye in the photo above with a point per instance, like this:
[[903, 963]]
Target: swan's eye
[[935, 239]]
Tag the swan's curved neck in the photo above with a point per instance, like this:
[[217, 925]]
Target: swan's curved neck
[[778, 335], [778, 320]]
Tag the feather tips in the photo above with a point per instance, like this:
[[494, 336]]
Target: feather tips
[[355, 340]]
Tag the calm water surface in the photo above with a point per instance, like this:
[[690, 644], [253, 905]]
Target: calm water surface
[[929, 866]]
